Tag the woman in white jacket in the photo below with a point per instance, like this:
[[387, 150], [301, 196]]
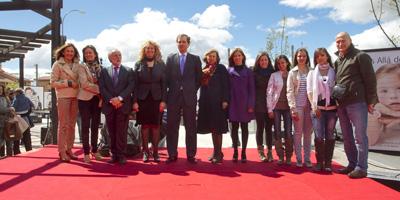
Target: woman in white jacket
[[320, 82], [278, 108]]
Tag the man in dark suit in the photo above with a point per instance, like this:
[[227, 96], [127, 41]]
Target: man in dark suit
[[116, 86], [183, 71]]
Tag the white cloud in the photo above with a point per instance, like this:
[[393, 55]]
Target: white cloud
[[292, 22], [262, 28], [209, 19], [150, 25], [310, 4], [296, 33], [358, 11], [373, 38]]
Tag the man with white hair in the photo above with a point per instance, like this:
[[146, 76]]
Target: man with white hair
[[356, 95], [116, 87]]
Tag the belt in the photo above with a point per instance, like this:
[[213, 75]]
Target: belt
[[327, 107]]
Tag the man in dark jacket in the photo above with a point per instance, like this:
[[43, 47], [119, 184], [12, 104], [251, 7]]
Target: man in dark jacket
[[354, 71], [23, 107]]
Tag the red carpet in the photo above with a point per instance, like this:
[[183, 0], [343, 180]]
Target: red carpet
[[39, 175]]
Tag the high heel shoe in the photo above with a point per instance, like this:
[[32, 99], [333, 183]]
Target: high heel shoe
[[156, 157], [145, 157], [64, 157], [217, 159], [235, 155], [244, 157], [97, 156], [86, 158], [71, 155]]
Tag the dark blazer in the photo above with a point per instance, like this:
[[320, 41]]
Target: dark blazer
[[176, 81], [146, 82], [123, 89], [261, 83]]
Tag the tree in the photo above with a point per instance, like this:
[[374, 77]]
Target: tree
[[393, 4], [277, 41]]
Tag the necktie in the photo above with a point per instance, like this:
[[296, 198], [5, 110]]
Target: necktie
[[115, 76], [182, 62]]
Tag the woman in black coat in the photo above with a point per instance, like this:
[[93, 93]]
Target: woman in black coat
[[213, 102], [150, 96], [262, 72]]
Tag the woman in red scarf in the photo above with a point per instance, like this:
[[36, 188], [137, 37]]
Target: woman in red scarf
[[213, 102]]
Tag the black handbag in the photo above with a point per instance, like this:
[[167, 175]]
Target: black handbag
[[339, 91]]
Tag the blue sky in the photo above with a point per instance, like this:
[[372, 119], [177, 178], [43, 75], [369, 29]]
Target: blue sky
[[212, 24]]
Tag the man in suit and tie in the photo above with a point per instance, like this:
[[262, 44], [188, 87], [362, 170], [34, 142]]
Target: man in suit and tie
[[116, 87], [183, 72]]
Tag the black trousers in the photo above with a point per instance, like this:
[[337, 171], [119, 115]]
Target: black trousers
[[173, 120], [90, 119], [264, 123], [117, 125]]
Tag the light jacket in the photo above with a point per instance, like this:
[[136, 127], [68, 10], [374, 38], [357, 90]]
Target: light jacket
[[60, 75], [87, 86], [275, 85], [293, 87]]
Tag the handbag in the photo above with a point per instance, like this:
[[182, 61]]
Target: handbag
[[22, 124], [11, 130], [339, 91]]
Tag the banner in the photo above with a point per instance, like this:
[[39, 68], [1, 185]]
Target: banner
[[384, 124]]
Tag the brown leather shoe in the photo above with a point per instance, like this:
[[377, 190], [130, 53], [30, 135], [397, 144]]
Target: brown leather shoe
[[345, 170], [357, 174], [72, 155]]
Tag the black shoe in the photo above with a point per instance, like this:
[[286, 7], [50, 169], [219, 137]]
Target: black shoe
[[235, 155], [244, 157], [156, 157], [145, 157], [171, 159], [122, 160], [192, 160], [355, 174], [113, 160], [345, 170]]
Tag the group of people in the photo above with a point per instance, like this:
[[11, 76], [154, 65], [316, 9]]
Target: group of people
[[14, 103], [310, 99]]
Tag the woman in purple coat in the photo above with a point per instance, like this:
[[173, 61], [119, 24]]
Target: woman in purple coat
[[241, 108]]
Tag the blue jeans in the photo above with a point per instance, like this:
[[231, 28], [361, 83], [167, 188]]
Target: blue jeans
[[355, 143], [287, 124], [324, 125]]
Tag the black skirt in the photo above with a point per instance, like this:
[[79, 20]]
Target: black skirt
[[149, 111]]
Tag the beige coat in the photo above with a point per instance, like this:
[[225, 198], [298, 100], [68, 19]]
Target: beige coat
[[60, 75], [293, 87], [87, 86]]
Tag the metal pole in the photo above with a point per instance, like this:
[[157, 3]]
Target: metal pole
[[63, 39], [37, 74]]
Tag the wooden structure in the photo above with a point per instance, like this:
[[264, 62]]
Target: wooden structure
[[14, 43]]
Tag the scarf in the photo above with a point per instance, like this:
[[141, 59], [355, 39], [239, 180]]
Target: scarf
[[322, 86], [208, 72]]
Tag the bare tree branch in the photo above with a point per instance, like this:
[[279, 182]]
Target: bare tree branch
[[397, 7], [379, 23]]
